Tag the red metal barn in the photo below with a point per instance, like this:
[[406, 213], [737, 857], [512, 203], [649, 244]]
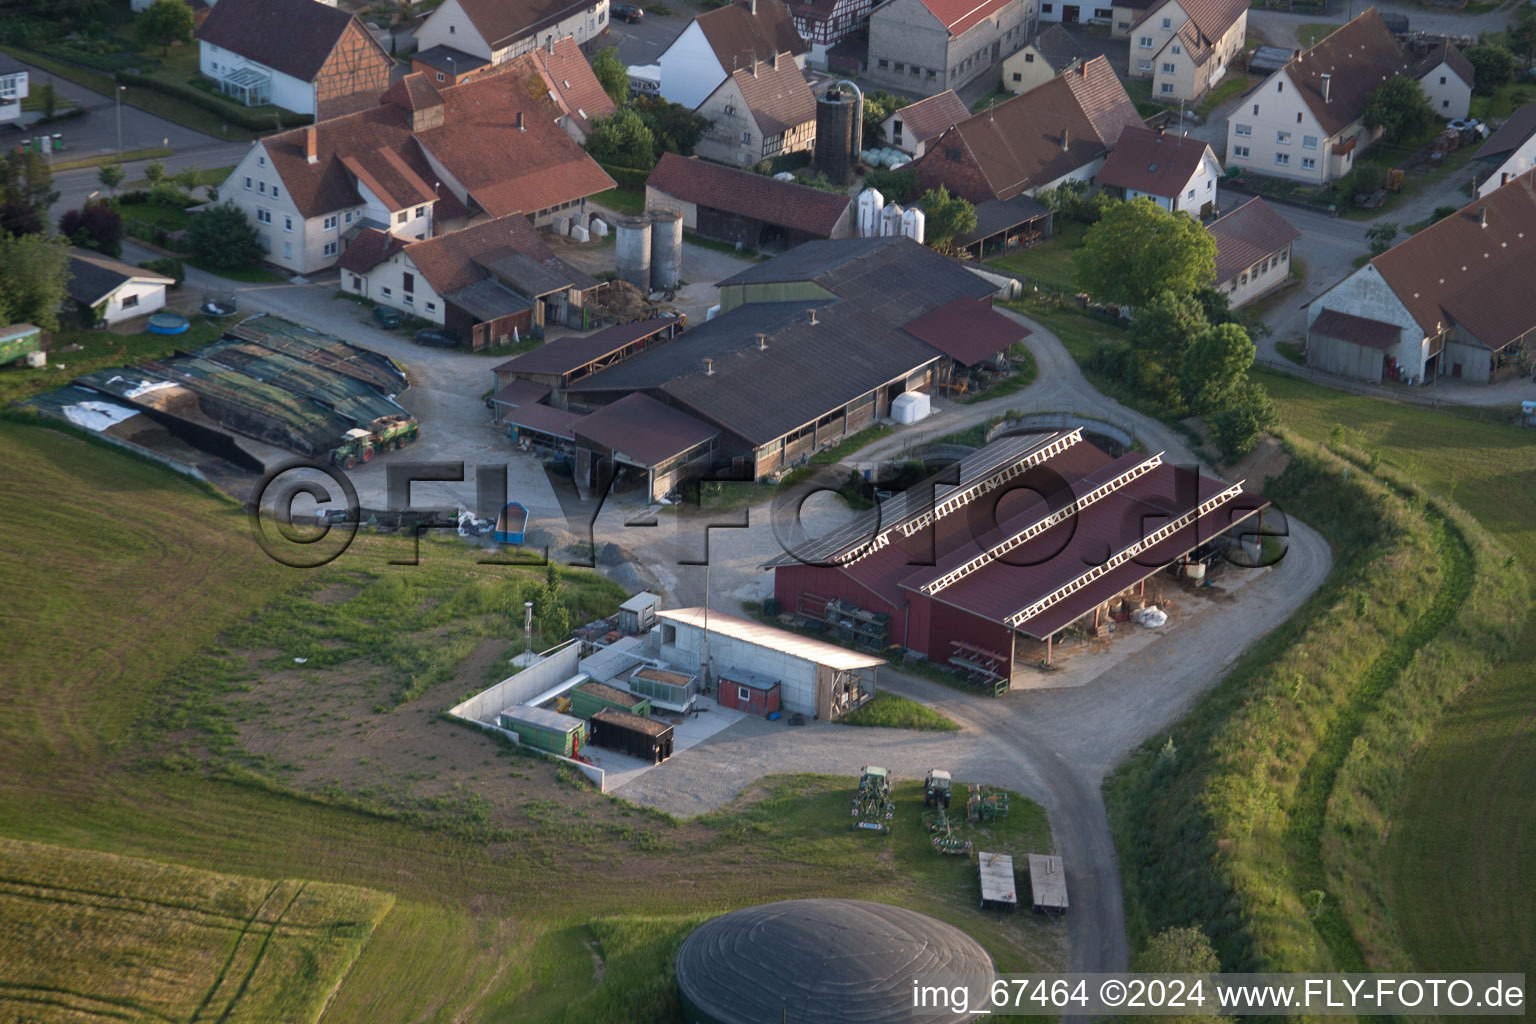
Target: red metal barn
[[744, 691]]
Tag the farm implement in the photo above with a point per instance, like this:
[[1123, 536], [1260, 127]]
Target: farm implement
[[985, 804], [873, 808], [945, 841]]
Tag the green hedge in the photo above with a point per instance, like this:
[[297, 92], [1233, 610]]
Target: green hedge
[[246, 117], [629, 177]]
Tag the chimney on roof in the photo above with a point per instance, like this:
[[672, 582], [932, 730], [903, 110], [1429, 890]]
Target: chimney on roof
[[813, 317], [754, 65], [774, 60], [762, 342], [1482, 216], [1327, 87], [520, 125], [1066, 138], [707, 366], [752, 7], [311, 145]]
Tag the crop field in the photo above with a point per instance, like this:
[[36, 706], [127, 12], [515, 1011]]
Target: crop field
[[143, 632], [90, 936]]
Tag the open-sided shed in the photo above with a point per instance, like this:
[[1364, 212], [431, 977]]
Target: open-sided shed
[[649, 739]]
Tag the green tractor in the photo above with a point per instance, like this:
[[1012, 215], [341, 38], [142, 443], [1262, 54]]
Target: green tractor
[[356, 446], [873, 807], [936, 788]]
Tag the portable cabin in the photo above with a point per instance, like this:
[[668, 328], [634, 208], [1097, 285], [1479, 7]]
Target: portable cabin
[[638, 614], [674, 691], [590, 697], [749, 692], [512, 524], [545, 730], [649, 739]]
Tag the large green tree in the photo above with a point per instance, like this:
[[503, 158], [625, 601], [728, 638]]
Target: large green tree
[[1159, 333], [1237, 426], [1138, 249], [878, 106], [224, 239], [1492, 66], [1522, 33], [1400, 109], [27, 179], [612, 74], [674, 128], [164, 22], [946, 217], [95, 226], [622, 140], [1214, 368], [34, 279]]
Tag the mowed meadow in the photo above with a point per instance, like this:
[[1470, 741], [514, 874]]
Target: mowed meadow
[[144, 634]]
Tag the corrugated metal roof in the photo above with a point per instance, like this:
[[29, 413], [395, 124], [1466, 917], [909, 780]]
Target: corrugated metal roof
[[544, 718], [1358, 330], [792, 644], [967, 330], [545, 419], [644, 430], [562, 355]]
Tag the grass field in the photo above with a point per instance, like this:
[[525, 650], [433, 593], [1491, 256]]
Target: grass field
[[121, 578], [897, 712], [125, 938], [98, 349], [1050, 262], [627, 201]]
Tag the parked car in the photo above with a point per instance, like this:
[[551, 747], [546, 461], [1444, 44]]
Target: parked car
[[386, 317], [626, 12], [436, 337]]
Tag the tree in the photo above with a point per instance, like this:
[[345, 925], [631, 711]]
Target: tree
[[1214, 368], [947, 217], [97, 226], [612, 74], [17, 218], [1180, 951], [223, 239], [34, 279], [878, 106], [154, 173], [1236, 428], [164, 22], [1399, 108], [895, 186], [1492, 66], [1073, 201], [1522, 32], [622, 140], [1139, 249], [50, 98], [1380, 236], [1159, 333], [187, 178], [26, 179], [110, 177], [674, 128]]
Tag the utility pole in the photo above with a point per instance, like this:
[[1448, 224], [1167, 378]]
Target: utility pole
[[120, 90]]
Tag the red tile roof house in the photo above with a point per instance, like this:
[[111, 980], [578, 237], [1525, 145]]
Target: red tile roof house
[[296, 54], [423, 162], [1187, 46], [825, 23], [1176, 172], [489, 284], [495, 31], [1453, 300], [927, 46], [1060, 131], [724, 40], [759, 112], [1253, 251], [910, 128], [760, 212], [572, 84]]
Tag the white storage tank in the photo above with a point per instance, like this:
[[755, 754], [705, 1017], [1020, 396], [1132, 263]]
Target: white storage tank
[[666, 249], [910, 407], [913, 222], [871, 202], [890, 219]]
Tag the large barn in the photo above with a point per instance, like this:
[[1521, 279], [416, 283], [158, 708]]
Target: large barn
[[985, 564]]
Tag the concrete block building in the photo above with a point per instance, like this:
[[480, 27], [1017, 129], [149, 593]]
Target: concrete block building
[[495, 31], [928, 46]]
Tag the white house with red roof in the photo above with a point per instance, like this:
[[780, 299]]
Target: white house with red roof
[[1253, 251], [1176, 172], [909, 128], [498, 30], [720, 42], [1186, 46], [928, 46]]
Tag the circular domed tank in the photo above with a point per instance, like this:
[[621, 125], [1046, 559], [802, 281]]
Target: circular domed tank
[[826, 961]]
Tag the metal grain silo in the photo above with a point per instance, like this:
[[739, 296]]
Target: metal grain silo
[[633, 249], [839, 131], [666, 249]]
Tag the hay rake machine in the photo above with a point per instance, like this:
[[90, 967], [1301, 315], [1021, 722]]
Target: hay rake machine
[[945, 841], [873, 807], [985, 804]]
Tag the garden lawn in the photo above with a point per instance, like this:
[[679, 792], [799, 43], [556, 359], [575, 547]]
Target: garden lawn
[[1048, 262]]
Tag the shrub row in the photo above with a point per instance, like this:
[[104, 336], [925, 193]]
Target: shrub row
[[631, 177], [216, 103], [1211, 827]]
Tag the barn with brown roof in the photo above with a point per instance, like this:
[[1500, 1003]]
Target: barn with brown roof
[[496, 31], [1057, 132], [427, 160], [928, 46], [984, 565], [760, 212], [719, 42], [759, 111], [1253, 251], [909, 128], [1453, 300], [295, 54]]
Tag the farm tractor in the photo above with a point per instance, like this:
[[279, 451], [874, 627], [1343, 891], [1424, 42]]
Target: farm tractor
[[356, 446], [936, 788], [359, 445], [872, 805], [986, 804]]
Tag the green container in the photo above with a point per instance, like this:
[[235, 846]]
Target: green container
[[545, 730], [17, 340], [591, 697]]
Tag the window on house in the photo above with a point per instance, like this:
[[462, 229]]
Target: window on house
[[1046, 8], [1167, 23], [261, 187], [407, 283], [932, 75], [1144, 65], [385, 292], [1298, 117], [1241, 152], [952, 153], [287, 250], [743, 694], [431, 307], [1442, 79], [329, 223], [287, 223], [900, 67], [264, 216], [441, 76], [274, 192], [129, 301], [1255, 110], [1177, 49], [1029, 58], [1242, 131], [1167, 87], [730, 109], [1191, 194], [450, 30], [1243, 279], [1282, 138], [1283, 159], [401, 217], [1279, 87], [349, 216], [247, 184], [421, 211], [357, 283], [1145, 42], [261, 161], [1445, 104], [1309, 163], [1103, 13], [883, 63], [746, 138], [1167, 67]]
